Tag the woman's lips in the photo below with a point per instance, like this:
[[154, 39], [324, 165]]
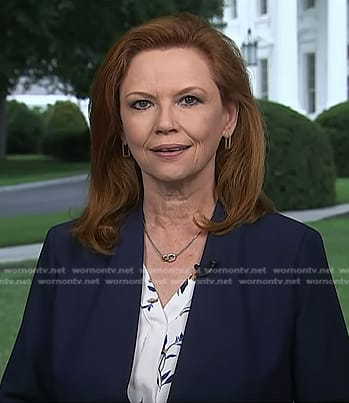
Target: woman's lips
[[169, 148], [169, 151]]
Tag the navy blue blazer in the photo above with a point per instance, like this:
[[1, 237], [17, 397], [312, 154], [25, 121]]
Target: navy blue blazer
[[257, 329]]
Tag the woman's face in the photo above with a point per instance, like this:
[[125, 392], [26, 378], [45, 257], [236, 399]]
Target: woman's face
[[172, 114]]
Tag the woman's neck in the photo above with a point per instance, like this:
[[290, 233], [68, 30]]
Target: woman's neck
[[172, 207]]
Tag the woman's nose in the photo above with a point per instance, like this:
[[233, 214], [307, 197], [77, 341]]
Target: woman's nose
[[165, 120]]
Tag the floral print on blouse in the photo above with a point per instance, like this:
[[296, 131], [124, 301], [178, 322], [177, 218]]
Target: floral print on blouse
[[159, 339]]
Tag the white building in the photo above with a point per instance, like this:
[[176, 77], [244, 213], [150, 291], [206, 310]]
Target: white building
[[302, 49]]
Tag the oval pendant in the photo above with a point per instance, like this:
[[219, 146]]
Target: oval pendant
[[169, 257]]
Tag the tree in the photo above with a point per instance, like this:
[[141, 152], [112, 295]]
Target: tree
[[25, 29], [65, 40]]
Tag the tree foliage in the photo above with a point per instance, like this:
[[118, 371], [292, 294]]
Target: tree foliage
[[24, 128], [300, 170], [65, 40], [335, 121], [66, 134]]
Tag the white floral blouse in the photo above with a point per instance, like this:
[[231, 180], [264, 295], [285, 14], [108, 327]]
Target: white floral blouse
[[159, 339]]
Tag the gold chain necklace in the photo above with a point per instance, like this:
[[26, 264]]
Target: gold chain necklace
[[171, 256]]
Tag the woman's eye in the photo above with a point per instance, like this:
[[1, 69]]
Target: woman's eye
[[189, 100], [141, 104]]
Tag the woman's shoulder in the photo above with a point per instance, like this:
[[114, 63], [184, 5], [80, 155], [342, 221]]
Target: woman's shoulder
[[62, 244], [62, 232], [279, 229], [279, 222], [62, 249], [278, 241]]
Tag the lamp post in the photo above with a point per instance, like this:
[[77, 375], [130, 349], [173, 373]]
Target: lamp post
[[249, 50]]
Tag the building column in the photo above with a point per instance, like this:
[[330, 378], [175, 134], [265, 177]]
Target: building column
[[285, 55], [336, 52]]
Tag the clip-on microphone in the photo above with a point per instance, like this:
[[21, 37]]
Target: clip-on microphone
[[203, 271]]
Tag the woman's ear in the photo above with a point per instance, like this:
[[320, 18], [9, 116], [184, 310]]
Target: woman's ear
[[232, 113]]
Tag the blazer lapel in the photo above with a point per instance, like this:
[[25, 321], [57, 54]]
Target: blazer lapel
[[203, 322], [128, 256]]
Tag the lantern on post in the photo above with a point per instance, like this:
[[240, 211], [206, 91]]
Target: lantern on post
[[249, 50]]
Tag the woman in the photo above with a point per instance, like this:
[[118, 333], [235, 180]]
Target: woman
[[166, 289]]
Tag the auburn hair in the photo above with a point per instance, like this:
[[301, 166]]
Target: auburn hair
[[116, 182]]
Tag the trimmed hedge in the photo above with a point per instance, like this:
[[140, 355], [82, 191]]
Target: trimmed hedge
[[300, 171], [66, 134], [336, 122], [24, 127]]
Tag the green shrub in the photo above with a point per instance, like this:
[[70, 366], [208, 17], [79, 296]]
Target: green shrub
[[66, 134], [24, 127], [336, 121], [300, 171]]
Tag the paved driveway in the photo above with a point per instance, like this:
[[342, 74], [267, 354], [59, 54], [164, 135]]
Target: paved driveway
[[48, 198]]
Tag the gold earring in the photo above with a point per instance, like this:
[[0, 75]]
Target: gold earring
[[125, 150], [227, 142]]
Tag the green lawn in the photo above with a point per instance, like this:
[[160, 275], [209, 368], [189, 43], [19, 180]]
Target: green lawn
[[25, 229], [12, 301], [342, 190], [21, 169], [335, 233]]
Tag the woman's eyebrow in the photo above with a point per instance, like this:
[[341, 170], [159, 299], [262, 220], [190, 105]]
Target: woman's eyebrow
[[140, 93], [191, 88], [180, 92]]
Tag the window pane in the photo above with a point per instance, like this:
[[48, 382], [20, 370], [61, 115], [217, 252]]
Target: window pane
[[263, 7], [264, 78], [309, 4], [311, 82], [234, 9]]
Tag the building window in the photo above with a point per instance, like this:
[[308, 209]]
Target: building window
[[263, 7], [309, 4], [310, 82], [263, 68], [234, 9]]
